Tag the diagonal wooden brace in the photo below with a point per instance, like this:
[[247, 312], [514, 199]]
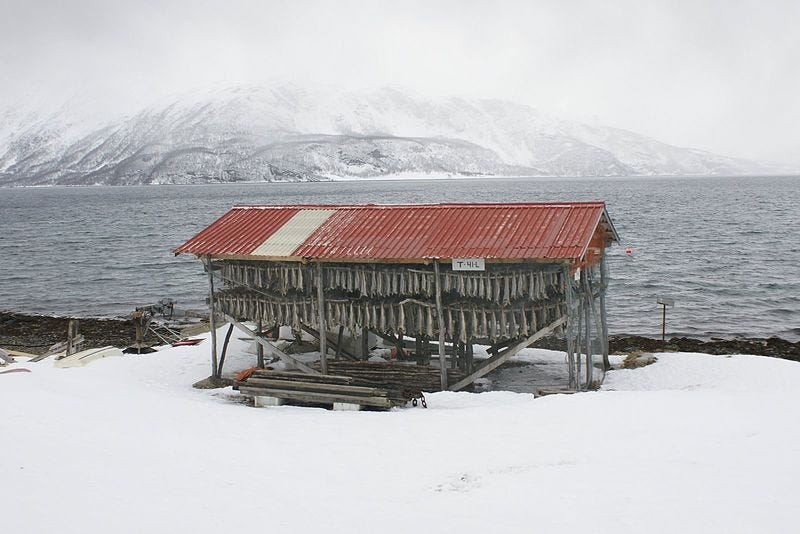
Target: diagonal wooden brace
[[270, 348], [499, 359]]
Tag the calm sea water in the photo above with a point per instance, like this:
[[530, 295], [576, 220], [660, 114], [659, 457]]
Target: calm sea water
[[726, 249]]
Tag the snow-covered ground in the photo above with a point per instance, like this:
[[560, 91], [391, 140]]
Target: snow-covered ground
[[693, 443]]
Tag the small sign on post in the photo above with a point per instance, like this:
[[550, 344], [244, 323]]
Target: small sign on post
[[469, 264], [664, 302]]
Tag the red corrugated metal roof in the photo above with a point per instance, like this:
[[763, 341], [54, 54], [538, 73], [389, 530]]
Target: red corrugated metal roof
[[529, 231]]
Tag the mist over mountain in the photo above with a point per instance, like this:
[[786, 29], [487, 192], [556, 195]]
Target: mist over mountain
[[286, 132]]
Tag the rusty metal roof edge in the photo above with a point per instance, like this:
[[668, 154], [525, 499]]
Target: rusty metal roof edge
[[600, 216], [614, 232]]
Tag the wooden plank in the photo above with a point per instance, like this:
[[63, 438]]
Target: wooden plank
[[499, 359], [312, 386], [296, 375], [269, 347], [322, 398]]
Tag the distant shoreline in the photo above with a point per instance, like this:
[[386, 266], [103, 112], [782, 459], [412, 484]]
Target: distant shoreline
[[412, 177], [35, 333]]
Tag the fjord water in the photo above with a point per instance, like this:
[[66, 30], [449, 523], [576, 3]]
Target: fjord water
[[726, 249]]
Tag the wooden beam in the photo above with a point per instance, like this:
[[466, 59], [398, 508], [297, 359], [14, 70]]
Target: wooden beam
[[211, 320], [270, 348], [323, 339], [316, 397], [339, 350], [338, 345], [499, 359], [440, 325], [570, 339], [259, 348], [291, 385], [588, 327], [603, 322], [225, 349]]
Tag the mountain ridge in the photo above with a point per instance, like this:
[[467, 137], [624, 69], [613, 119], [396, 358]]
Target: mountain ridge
[[286, 132]]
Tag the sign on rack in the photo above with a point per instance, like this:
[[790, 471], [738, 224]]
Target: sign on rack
[[469, 264]]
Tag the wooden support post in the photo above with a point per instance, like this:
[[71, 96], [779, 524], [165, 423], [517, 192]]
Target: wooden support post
[[339, 342], [323, 330], [578, 367], [499, 359], [420, 357], [270, 348], [224, 349], [440, 326], [598, 324], [365, 343], [72, 334], [259, 348], [588, 328], [470, 360], [211, 320], [570, 327], [603, 321]]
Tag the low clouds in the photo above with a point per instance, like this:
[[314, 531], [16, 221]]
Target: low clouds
[[716, 75]]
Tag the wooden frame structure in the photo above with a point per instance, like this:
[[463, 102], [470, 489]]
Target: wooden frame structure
[[508, 305]]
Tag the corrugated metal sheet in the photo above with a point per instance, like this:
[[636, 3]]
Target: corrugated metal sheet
[[239, 231], [293, 233], [530, 231]]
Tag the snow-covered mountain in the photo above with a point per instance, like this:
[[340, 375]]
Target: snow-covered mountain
[[288, 132]]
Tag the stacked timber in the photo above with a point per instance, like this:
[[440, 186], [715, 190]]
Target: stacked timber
[[321, 389], [380, 385], [413, 378]]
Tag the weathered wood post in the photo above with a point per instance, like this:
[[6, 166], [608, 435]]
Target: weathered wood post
[[259, 348], [440, 326], [603, 322], [211, 319], [588, 328], [323, 329], [570, 327], [72, 334]]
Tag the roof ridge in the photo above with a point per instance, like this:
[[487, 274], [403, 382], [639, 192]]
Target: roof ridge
[[423, 205]]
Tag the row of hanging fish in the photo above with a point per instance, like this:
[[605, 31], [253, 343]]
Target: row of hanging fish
[[408, 317], [500, 286], [277, 277]]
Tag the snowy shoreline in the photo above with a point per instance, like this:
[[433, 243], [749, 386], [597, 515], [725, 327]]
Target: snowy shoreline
[[691, 443]]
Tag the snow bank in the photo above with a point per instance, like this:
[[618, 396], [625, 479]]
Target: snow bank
[[693, 443]]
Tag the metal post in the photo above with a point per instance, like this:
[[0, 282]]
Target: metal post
[[663, 323], [440, 326], [211, 320], [323, 330]]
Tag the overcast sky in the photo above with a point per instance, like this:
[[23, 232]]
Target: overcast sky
[[718, 75]]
